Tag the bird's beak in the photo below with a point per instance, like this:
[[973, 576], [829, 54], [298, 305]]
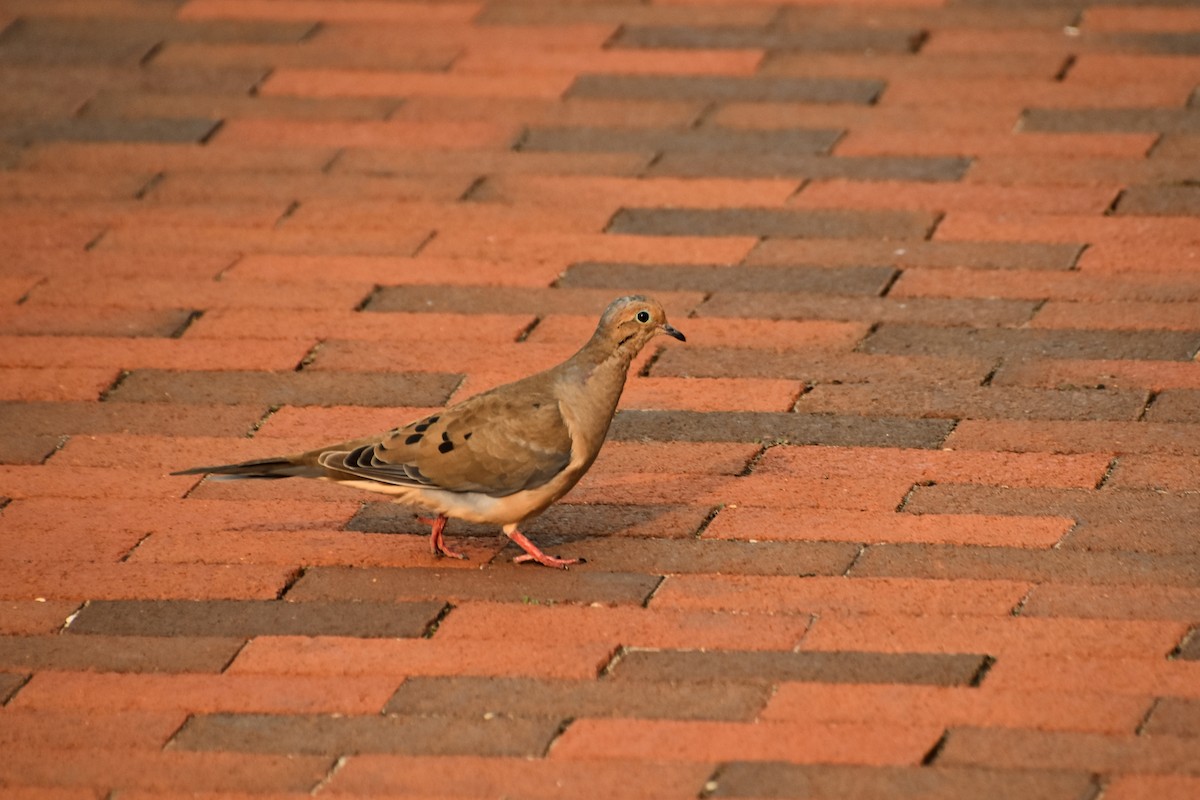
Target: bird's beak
[[669, 331]]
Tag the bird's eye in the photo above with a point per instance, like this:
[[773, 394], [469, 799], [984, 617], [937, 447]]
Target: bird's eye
[[643, 316]]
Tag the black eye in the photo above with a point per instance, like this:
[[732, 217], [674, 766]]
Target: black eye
[[643, 316]]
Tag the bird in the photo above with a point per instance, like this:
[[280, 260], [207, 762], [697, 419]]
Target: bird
[[500, 457]]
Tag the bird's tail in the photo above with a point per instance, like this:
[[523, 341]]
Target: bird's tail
[[261, 468]]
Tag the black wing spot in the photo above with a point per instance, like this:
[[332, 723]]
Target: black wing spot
[[433, 419], [445, 436], [466, 436], [416, 437], [445, 447]]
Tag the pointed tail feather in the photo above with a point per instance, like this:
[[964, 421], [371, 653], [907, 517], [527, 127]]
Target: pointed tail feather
[[262, 468]]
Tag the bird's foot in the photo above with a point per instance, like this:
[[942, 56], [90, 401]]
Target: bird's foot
[[532, 553], [437, 542]]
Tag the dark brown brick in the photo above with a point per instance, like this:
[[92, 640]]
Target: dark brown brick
[[691, 140], [560, 523], [816, 367], [1029, 749], [1189, 648], [1009, 343], [1174, 716], [10, 682], [684, 556], [772, 779], [343, 735], [803, 165], [505, 583], [109, 130], [920, 253], [1177, 201], [713, 278], [1112, 602], [727, 88], [820, 224], [950, 562], [965, 400], [813, 40], [24, 449], [475, 698], [117, 653], [1111, 120], [722, 426], [934, 669], [249, 618], [286, 388], [124, 103], [137, 322], [502, 300], [53, 420], [911, 310], [34, 40], [1175, 405]]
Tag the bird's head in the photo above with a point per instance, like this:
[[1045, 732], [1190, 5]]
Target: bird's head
[[629, 322]]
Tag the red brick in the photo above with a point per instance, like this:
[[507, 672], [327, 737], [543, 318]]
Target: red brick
[[711, 394], [539, 779], [54, 384], [966, 225], [801, 742], [1148, 675], [1133, 255], [1159, 472], [330, 656], [164, 770], [76, 580], [1109, 315], [86, 361], [214, 239], [1152, 787], [999, 636], [1151, 19], [469, 37], [1169, 71], [770, 524], [208, 187], [363, 83], [572, 61], [70, 728], [1113, 602], [626, 626], [338, 133], [492, 161], [1118, 145], [30, 186], [195, 693], [955, 706], [389, 270], [1050, 373], [449, 218], [27, 617], [354, 11], [570, 112], [593, 247], [816, 594], [938, 466], [23, 482], [1070, 436]]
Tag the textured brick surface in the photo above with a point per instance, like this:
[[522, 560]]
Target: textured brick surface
[[911, 514]]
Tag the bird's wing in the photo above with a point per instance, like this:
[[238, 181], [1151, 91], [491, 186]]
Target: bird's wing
[[496, 443]]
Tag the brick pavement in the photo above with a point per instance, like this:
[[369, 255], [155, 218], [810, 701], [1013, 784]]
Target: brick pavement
[[912, 514]]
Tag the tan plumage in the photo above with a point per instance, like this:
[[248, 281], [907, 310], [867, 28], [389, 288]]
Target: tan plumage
[[499, 457]]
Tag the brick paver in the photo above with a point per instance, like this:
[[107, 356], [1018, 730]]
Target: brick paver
[[911, 515]]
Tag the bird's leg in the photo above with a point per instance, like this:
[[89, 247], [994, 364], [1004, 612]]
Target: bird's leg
[[532, 553], [437, 542]]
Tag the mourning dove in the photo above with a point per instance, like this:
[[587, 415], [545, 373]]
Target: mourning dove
[[502, 456]]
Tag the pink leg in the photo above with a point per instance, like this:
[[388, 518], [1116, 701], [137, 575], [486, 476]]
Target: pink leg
[[532, 553], [437, 542]]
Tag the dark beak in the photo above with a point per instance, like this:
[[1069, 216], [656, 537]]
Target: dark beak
[[669, 331]]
